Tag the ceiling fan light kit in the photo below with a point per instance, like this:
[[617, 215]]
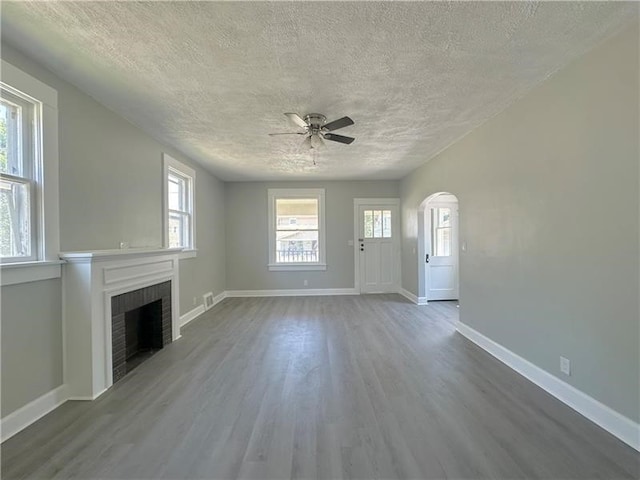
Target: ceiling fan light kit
[[317, 130]]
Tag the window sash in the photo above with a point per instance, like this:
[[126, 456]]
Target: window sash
[[183, 231], [22, 143], [179, 205], [296, 258], [14, 223]]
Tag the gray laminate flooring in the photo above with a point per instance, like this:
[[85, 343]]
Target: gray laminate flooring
[[319, 387]]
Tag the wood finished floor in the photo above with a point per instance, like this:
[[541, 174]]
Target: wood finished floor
[[319, 387]]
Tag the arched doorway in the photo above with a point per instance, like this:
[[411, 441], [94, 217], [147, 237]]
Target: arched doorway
[[438, 239]]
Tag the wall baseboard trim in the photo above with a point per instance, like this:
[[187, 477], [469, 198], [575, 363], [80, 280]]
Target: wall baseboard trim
[[218, 298], [302, 292], [410, 296], [191, 315], [200, 309], [31, 412], [613, 422]]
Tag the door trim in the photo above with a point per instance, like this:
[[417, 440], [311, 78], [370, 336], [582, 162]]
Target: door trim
[[357, 202]]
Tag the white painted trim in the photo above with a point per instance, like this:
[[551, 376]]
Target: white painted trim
[[47, 157], [191, 315], [276, 193], [292, 292], [413, 298], [189, 253], [613, 422], [218, 298], [357, 202], [88, 398], [16, 273], [88, 256], [31, 412], [299, 267]]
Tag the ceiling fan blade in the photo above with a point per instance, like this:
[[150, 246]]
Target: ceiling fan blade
[[336, 124], [338, 138], [287, 133], [297, 119]]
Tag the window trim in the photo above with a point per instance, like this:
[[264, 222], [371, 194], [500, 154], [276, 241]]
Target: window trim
[[46, 199], [170, 164], [274, 194]]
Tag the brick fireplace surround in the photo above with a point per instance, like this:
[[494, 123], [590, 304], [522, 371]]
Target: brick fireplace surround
[[159, 328], [99, 288]]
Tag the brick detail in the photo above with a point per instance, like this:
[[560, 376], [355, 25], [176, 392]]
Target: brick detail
[[161, 332]]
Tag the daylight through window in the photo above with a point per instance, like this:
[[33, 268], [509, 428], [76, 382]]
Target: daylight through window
[[18, 176], [296, 227]]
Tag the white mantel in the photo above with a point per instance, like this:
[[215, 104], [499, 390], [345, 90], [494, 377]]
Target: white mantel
[[91, 278]]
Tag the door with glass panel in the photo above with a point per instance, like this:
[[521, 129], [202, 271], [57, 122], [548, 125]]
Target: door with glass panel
[[441, 257], [378, 248]]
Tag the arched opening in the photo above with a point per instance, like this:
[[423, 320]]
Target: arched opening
[[438, 248]]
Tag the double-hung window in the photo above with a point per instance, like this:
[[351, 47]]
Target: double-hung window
[[18, 177], [179, 204], [296, 229], [29, 230]]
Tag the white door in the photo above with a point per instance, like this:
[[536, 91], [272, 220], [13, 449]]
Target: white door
[[441, 259], [378, 247]]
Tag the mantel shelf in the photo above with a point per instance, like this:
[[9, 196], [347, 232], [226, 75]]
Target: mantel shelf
[[94, 255]]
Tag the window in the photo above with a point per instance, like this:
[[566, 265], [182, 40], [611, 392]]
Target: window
[[296, 229], [18, 176], [179, 209], [29, 230], [441, 232], [377, 224]]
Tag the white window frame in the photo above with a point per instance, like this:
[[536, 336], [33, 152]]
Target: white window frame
[[284, 193], [171, 165], [45, 263]]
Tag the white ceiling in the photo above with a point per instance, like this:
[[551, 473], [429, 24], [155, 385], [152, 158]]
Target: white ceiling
[[212, 79]]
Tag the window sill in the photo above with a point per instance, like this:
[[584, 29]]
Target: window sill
[[296, 267], [190, 253], [26, 272]]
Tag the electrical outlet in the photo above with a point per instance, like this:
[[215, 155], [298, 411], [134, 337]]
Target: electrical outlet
[[124, 245], [565, 365], [306, 283]]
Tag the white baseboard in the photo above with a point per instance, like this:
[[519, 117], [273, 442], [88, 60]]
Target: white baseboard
[[218, 298], [302, 292], [31, 412], [613, 422], [200, 309], [191, 315], [411, 297]]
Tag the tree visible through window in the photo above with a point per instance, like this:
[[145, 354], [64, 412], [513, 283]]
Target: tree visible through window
[[17, 177]]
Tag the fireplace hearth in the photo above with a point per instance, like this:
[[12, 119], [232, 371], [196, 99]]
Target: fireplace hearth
[[141, 325]]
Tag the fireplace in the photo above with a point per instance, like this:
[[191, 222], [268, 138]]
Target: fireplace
[[104, 291], [140, 326]]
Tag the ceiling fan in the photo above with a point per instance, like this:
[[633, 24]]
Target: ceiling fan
[[317, 130]]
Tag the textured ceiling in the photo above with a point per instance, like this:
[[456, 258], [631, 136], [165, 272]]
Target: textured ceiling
[[212, 79]]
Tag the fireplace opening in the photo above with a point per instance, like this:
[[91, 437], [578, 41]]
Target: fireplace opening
[[141, 325], [143, 333]]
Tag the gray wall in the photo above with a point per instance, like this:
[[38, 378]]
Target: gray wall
[[110, 191], [548, 194], [247, 234], [31, 342], [206, 272]]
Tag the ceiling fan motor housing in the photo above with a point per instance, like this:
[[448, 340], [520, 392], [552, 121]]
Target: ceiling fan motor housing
[[315, 122]]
